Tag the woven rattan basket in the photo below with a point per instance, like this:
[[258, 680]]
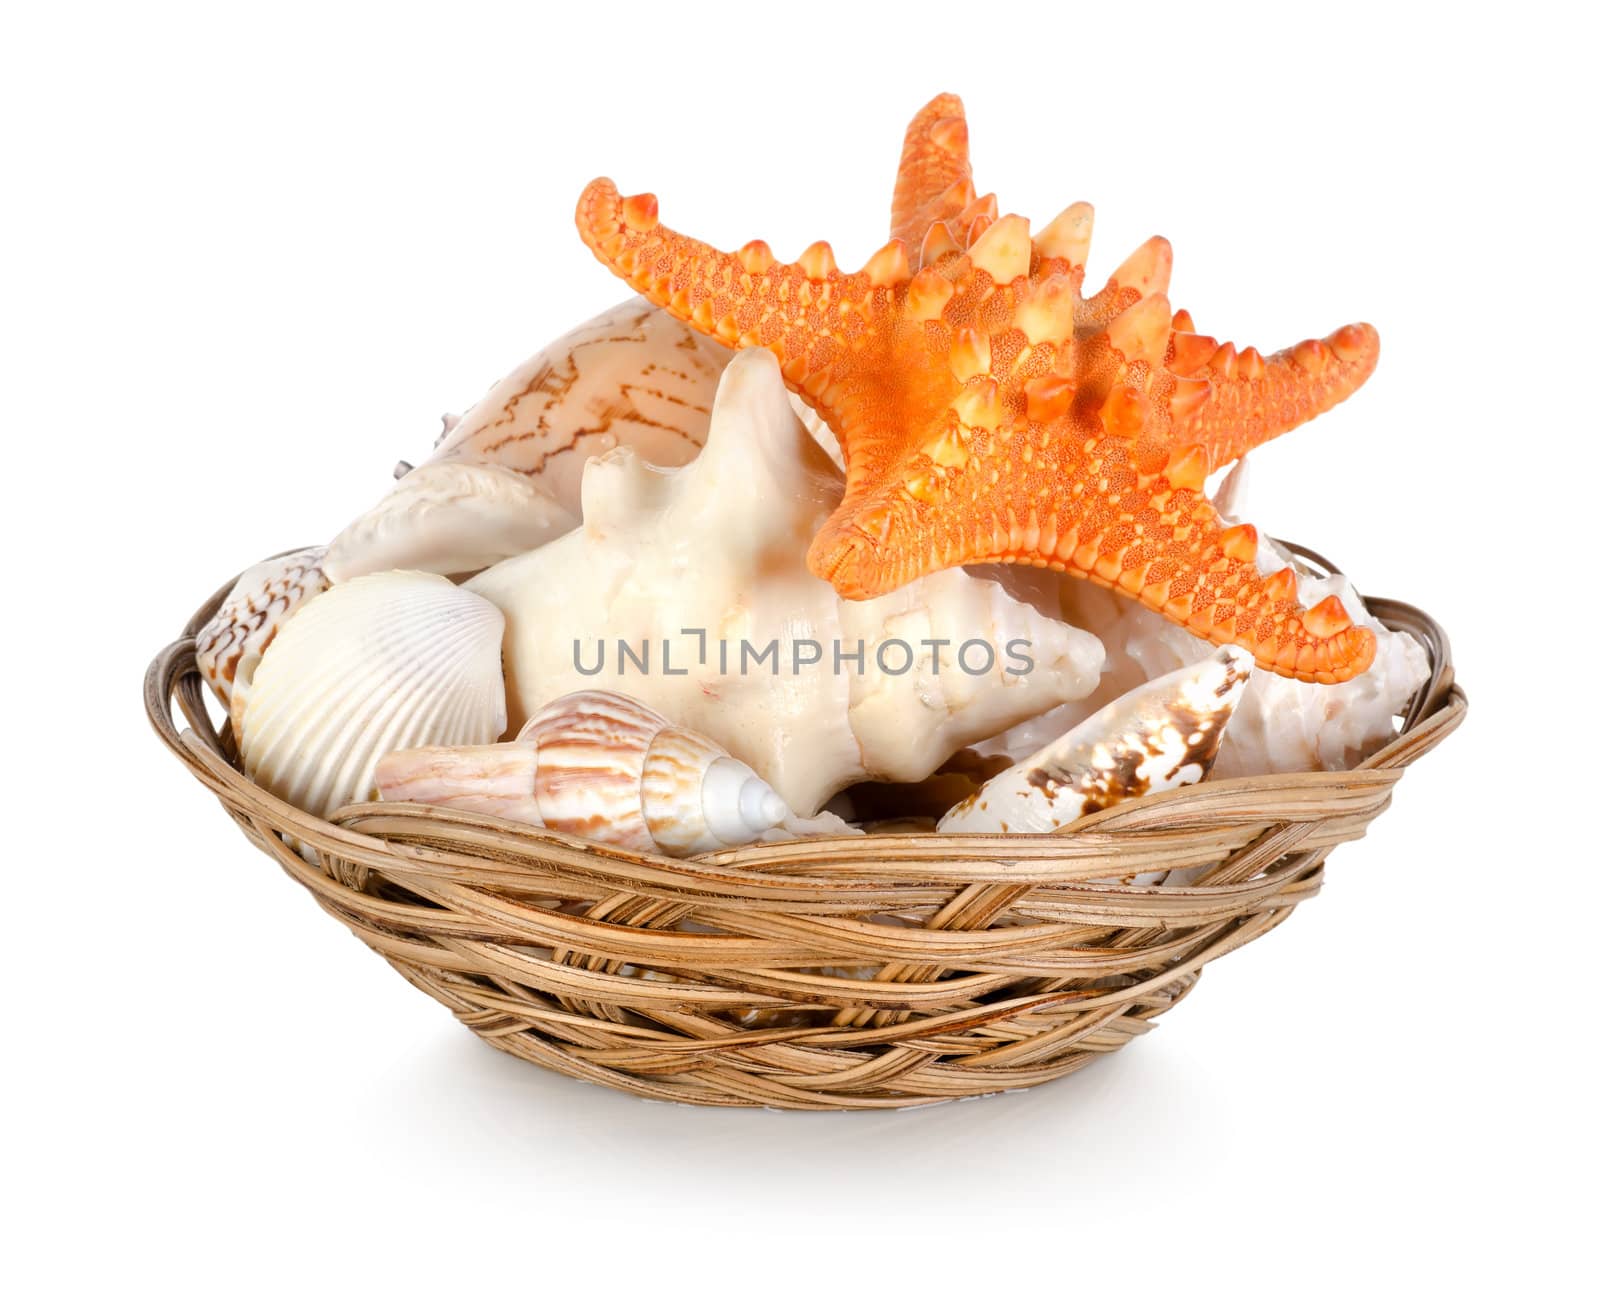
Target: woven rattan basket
[[838, 974]]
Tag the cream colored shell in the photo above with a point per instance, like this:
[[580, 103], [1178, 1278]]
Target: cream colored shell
[[387, 661], [449, 518], [711, 557]]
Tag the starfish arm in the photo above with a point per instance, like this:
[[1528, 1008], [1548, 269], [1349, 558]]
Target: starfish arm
[[1233, 401], [1166, 547], [1204, 576], [934, 183], [808, 313]]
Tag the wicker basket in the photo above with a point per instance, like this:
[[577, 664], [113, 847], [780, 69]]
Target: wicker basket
[[837, 974]]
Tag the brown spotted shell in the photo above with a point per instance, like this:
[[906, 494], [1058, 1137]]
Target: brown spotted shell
[[1159, 736]]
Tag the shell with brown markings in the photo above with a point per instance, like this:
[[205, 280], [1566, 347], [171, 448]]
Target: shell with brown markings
[[505, 477], [1160, 736], [230, 645]]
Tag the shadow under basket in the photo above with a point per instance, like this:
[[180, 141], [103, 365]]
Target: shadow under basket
[[849, 973]]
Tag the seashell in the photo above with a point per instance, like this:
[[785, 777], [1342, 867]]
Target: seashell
[[387, 661], [702, 567], [229, 646], [505, 477], [1160, 736], [455, 517], [609, 768]]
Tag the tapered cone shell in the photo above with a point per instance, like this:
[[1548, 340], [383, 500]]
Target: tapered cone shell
[[383, 662], [230, 645], [494, 779], [606, 767], [1160, 736]]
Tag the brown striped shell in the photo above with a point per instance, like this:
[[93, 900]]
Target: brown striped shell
[[230, 645], [387, 661], [590, 766], [505, 477]]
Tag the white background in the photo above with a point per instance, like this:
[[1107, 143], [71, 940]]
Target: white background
[[250, 256]]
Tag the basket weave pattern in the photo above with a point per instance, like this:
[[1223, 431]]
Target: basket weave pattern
[[828, 974]]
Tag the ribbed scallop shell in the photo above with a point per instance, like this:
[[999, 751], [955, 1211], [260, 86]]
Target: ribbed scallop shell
[[394, 660]]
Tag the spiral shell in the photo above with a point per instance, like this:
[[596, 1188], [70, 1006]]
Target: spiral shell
[[606, 767], [386, 661], [589, 772]]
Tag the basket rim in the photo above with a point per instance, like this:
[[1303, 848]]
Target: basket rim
[[373, 833]]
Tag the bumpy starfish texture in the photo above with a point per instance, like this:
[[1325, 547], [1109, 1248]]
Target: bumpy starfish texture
[[989, 412]]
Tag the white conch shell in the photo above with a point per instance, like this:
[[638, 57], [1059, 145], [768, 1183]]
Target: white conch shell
[[609, 768], [385, 661], [692, 565], [229, 646], [632, 377], [1160, 736], [1281, 725]]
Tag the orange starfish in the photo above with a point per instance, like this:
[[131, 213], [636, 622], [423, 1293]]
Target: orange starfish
[[988, 412]]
